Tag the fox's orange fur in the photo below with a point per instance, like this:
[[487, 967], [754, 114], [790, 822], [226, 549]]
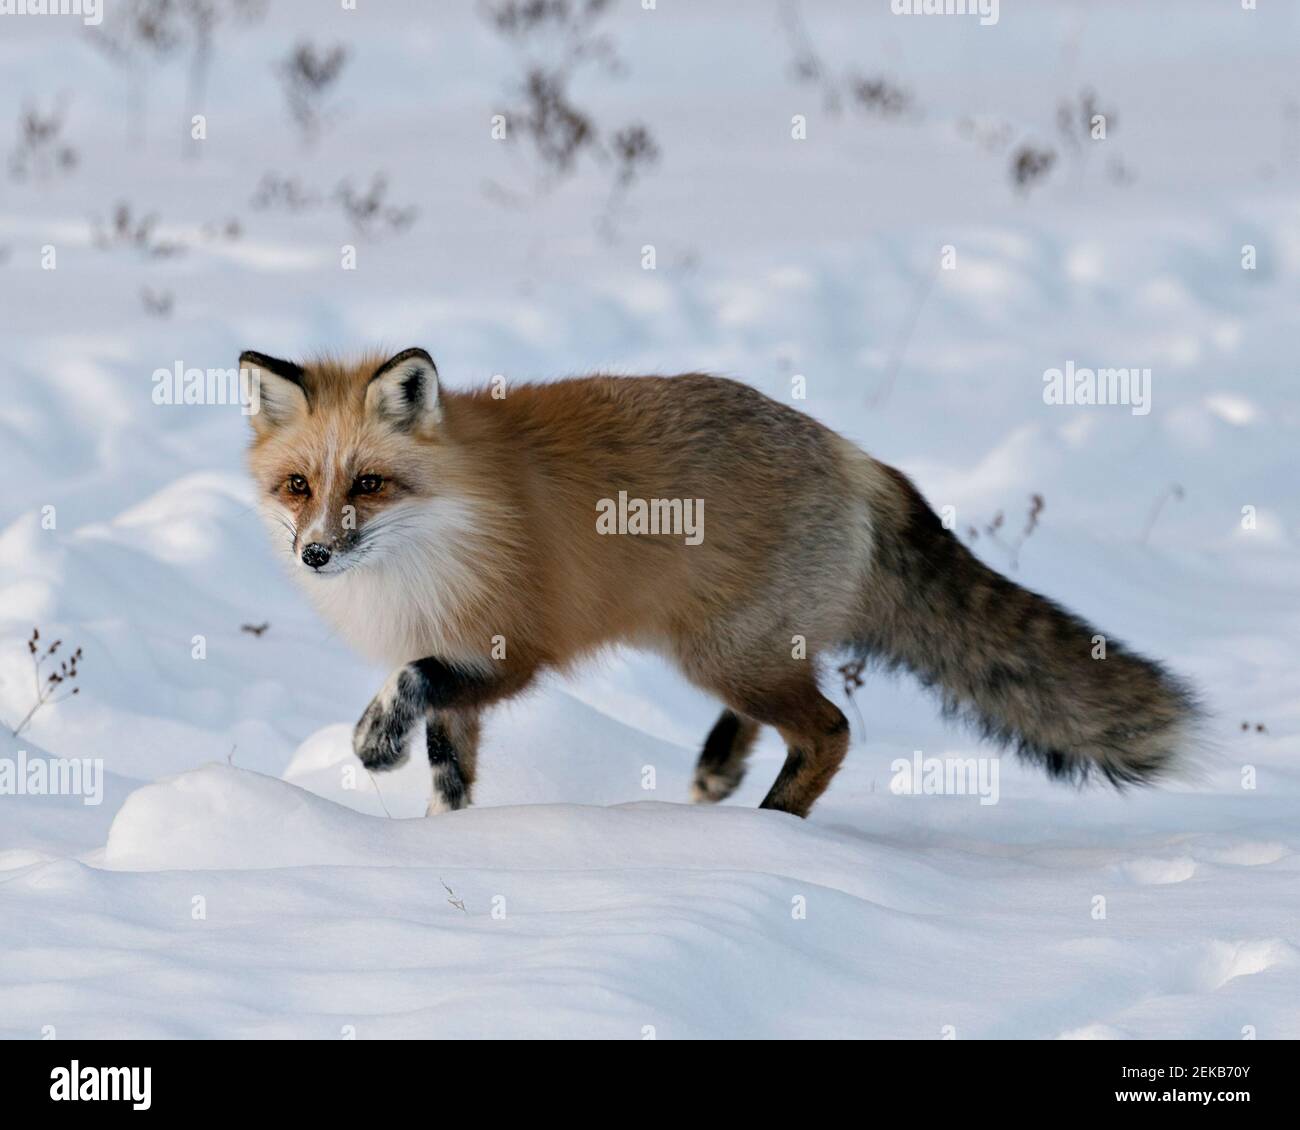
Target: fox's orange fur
[[480, 553]]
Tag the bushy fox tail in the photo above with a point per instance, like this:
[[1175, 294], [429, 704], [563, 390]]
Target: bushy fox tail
[[1028, 673]]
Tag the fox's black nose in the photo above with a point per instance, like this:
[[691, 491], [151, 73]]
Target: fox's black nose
[[315, 555]]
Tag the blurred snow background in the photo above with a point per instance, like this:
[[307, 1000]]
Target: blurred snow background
[[573, 901]]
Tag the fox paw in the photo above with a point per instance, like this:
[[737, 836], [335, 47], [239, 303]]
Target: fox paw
[[380, 737], [711, 786]]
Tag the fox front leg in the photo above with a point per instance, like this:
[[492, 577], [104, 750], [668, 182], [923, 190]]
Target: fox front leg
[[380, 737], [426, 688], [451, 737]]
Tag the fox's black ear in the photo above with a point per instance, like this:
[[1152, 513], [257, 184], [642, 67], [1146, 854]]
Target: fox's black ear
[[277, 389], [404, 391]]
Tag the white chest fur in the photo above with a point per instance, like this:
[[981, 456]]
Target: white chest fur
[[407, 596]]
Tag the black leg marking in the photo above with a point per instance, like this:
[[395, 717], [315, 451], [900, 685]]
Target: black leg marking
[[450, 788], [380, 737], [441, 751], [721, 766], [721, 740], [778, 795], [446, 686], [813, 756]]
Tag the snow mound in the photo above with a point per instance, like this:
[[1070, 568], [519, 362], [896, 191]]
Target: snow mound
[[222, 818]]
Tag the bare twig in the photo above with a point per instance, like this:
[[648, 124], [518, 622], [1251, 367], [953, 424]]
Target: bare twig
[[458, 903], [560, 132], [1173, 490], [129, 230], [1012, 548], [368, 211], [1036, 505], [308, 75], [851, 672], [379, 794], [905, 331], [878, 96], [1029, 165], [41, 151], [47, 687]]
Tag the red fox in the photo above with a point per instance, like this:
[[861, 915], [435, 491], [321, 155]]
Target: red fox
[[470, 540]]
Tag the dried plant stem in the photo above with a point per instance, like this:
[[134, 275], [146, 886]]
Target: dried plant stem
[[906, 330], [45, 689], [1173, 490], [380, 795]]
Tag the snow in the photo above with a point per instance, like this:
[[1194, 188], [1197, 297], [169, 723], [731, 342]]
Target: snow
[[243, 875]]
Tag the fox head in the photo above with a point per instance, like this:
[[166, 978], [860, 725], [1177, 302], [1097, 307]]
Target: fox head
[[345, 457]]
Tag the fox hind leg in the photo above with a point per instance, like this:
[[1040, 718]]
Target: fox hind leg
[[815, 730], [817, 738], [787, 698], [721, 766]]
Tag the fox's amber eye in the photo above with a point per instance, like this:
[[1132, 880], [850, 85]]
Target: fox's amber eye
[[368, 484], [297, 485]]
